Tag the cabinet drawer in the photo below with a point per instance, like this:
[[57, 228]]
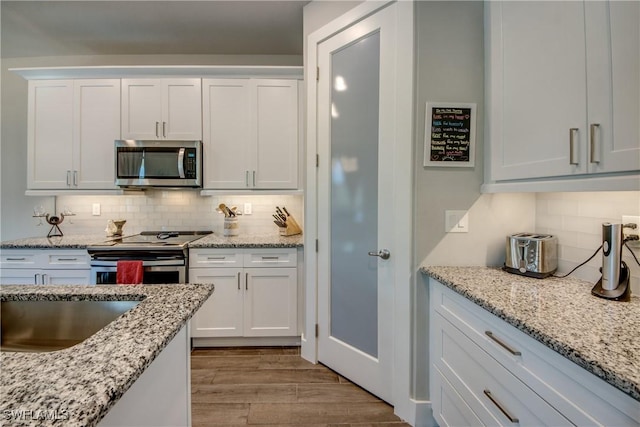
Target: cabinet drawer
[[66, 259], [286, 257], [578, 394], [18, 259], [495, 395], [215, 258]]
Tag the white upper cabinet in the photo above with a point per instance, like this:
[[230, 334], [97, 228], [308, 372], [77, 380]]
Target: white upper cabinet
[[563, 88], [161, 109], [72, 125], [251, 131]]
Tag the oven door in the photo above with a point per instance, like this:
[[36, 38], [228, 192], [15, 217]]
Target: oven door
[[155, 272]]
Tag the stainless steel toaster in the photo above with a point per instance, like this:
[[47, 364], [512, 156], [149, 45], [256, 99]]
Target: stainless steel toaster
[[530, 254]]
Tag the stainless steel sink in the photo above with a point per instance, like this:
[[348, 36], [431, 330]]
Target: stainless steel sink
[[39, 326]]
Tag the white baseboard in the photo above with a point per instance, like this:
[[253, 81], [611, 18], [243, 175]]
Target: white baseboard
[[246, 342], [419, 414]]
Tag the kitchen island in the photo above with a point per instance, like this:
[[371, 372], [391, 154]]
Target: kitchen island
[[78, 386]]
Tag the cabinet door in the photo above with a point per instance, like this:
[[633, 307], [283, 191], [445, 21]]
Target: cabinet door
[[141, 108], [97, 125], [227, 139], [50, 134], [613, 71], [19, 276], [270, 306], [221, 314], [276, 127], [66, 277], [536, 89], [182, 109]]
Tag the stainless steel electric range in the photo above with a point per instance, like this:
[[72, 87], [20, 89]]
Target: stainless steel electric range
[[164, 254]]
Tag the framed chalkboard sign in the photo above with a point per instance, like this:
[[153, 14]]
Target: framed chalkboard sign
[[450, 134]]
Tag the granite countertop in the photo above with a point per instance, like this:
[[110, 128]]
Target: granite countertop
[[86, 380], [248, 241], [77, 241], [599, 335], [214, 240]]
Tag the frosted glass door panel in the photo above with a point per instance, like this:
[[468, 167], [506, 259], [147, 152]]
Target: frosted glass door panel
[[354, 193]]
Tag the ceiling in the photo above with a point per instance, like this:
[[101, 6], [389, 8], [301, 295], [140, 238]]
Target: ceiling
[[57, 28]]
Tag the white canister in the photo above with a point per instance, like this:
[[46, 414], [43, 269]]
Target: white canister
[[231, 227]]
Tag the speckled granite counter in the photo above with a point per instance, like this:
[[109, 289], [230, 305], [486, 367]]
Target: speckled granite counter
[[599, 335], [248, 241], [213, 240], [78, 241], [86, 380]]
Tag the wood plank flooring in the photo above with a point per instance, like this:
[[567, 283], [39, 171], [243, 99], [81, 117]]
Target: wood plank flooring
[[274, 386]]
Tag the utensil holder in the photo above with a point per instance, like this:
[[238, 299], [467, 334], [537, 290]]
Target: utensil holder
[[231, 226]]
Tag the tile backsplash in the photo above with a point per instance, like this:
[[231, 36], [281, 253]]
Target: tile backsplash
[[173, 210], [576, 219]]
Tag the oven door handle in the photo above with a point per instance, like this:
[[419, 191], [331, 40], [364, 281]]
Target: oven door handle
[[146, 263]]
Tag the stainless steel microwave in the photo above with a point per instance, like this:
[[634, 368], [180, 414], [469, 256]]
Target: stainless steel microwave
[[149, 164]]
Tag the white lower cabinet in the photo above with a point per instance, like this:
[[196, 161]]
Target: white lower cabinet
[[255, 292], [486, 372], [44, 267]]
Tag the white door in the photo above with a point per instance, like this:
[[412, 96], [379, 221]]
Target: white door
[[356, 123], [97, 125], [141, 108], [276, 128]]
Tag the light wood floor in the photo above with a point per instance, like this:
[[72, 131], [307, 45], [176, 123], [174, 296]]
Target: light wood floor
[[275, 386]]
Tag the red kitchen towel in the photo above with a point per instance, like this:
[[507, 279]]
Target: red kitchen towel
[[129, 272]]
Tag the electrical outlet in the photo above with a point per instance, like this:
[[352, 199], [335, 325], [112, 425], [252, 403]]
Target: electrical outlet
[[628, 231], [248, 209], [95, 209], [456, 221]]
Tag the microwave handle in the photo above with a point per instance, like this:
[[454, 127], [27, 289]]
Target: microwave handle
[[181, 163]]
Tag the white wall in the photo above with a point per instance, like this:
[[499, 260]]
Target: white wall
[[576, 219], [16, 208]]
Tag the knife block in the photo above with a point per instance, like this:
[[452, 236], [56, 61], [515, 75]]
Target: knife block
[[292, 227]]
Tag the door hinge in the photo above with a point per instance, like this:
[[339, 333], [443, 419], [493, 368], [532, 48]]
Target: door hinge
[[317, 160], [316, 245], [317, 329], [317, 74]]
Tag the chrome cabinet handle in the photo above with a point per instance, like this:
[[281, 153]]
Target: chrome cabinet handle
[[157, 124], [35, 278], [215, 257], [254, 178], [270, 257], [75, 178], [44, 279], [382, 253], [246, 281], [68, 178], [238, 280], [164, 129], [572, 146], [594, 153], [246, 179], [502, 344], [67, 259], [16, 259], [506, 413]]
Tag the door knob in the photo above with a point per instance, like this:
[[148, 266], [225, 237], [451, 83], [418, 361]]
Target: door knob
[[382, 253]]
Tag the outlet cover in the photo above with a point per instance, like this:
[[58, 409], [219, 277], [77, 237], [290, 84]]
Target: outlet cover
[[95, 209], [248, 209], [456, 221]]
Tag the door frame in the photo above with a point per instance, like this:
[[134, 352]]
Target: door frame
[[403, 184]]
